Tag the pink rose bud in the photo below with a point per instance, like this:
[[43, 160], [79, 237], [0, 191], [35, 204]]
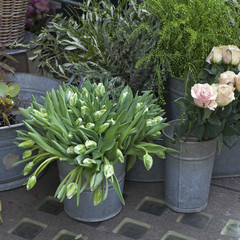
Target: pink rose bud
[[204, 95], [237, 82], [227, 77], [225, 95]]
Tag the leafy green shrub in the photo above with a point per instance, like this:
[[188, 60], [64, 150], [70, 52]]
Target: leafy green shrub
[[99, 44], [189, 29]]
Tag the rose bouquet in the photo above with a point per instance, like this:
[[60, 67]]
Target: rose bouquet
[[210, 107]]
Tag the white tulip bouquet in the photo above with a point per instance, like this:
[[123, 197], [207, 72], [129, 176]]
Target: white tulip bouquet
[[89, 130]]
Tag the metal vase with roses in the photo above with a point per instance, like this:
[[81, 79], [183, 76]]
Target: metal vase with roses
[[209, 114]]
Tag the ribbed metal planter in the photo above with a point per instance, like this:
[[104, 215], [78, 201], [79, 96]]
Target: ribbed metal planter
[[11, 177], [188, 174], [140, 174], [176, 90], [226, 163], [86, 211]]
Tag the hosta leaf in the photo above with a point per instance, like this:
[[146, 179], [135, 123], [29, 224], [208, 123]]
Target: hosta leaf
[[13, 90]]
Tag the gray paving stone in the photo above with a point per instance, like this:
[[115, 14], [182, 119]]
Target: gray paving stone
[[144, 203]]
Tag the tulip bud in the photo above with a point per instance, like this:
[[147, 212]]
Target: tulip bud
[[97, 197], [161, 154], [145, 110], [90, 125], [149, 122], [80, 149], [27, 144], [103, 127], [139, 105], [61, 192], [108, 170], [97, 115], [111, 121], [73, 99], [120, 155], [26, 154], [31, 182], [85, 91], [71, 190], [40, 114], [28, 168], [88, 162], [157, 120], [100, 90], [90, 144], [83, 110], [123, 97], [148, 161], [78, 122], [70, 150]]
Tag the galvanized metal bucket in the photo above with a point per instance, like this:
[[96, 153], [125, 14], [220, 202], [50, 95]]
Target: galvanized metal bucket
[[140, 174], [188, 174], [176, 90], [226, 163], [11, 177], [86, 211]]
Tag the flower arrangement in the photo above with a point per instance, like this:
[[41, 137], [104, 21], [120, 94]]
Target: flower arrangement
[[37, 13], [210, 107], [85, 128]]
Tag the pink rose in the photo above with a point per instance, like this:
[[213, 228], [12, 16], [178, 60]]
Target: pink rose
[[225, 94], [227, 77], [204, 95], [237, 82]]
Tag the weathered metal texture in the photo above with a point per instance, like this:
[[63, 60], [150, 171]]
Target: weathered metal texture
[[188, 174], [86, 211], [11, 177]]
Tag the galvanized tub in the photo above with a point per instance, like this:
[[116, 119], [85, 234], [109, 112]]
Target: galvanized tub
[[140, 174], [188, 174], [11, 177], [227, 163], [176, 90], [86, 211]]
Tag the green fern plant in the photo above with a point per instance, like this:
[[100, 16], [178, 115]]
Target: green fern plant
[[189, 29]]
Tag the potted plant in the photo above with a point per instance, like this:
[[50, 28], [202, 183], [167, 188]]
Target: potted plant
[[186, 35], [223, 65], [90, 135], [209, 113], [15, 91], [101, 42]]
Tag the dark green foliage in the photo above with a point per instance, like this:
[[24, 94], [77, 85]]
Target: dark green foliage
[[189, 29]]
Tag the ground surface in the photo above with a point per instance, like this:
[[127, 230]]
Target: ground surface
[[35, 215]]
